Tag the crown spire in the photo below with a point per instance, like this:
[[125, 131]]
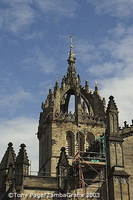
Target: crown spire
[[71, 58]]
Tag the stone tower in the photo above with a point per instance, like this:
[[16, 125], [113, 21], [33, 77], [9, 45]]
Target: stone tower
[[74, 130], [118, 178], [7, 169], [22, 167]]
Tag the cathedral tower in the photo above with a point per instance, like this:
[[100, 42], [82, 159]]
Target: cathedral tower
[[62, 126]]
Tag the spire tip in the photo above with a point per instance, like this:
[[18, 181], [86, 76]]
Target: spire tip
[[71, 58]]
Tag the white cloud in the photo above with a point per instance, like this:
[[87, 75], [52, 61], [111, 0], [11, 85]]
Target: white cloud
[[113, 55], [44, 86], [115, 68], [120, 83], [39, 60], [60, 7], [85, 51], [119, 8], [106, 69], [33, 35], [18, 15], [121, 89], [18, 131], [13, 100], [120, 30]]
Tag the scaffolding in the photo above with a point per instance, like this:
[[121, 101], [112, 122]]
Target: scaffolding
[[90, 167]]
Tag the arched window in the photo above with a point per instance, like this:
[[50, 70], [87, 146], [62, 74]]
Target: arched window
[[89, 139], [119, 155], [81, 141], [115, 122], [111, 123], [70, 143], [68, 102], [71, 104], [84, 106]]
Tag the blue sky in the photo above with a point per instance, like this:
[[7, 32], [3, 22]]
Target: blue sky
[[34, 45]]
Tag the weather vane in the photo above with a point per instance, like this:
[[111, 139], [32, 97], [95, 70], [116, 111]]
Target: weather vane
[[71, 41], [96, 83]]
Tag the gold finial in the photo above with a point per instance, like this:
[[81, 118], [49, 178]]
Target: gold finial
[[71, 58], [71, 41]]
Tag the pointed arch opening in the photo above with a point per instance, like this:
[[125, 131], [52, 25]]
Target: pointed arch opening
[[68, 103], [89, 139], [86, 107], [73, 101], [70, 143], [81, 141], [113, 123], [71, 104]]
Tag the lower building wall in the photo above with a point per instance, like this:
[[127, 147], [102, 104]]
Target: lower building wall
[[117, 190], [37, 187], [90, 192], [128, 161]]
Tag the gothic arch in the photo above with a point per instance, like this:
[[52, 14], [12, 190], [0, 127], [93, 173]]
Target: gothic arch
[[119, 154], [87, 104], [66, 99], [113, 123], [81, 141], [70, 143], [89, 139]]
